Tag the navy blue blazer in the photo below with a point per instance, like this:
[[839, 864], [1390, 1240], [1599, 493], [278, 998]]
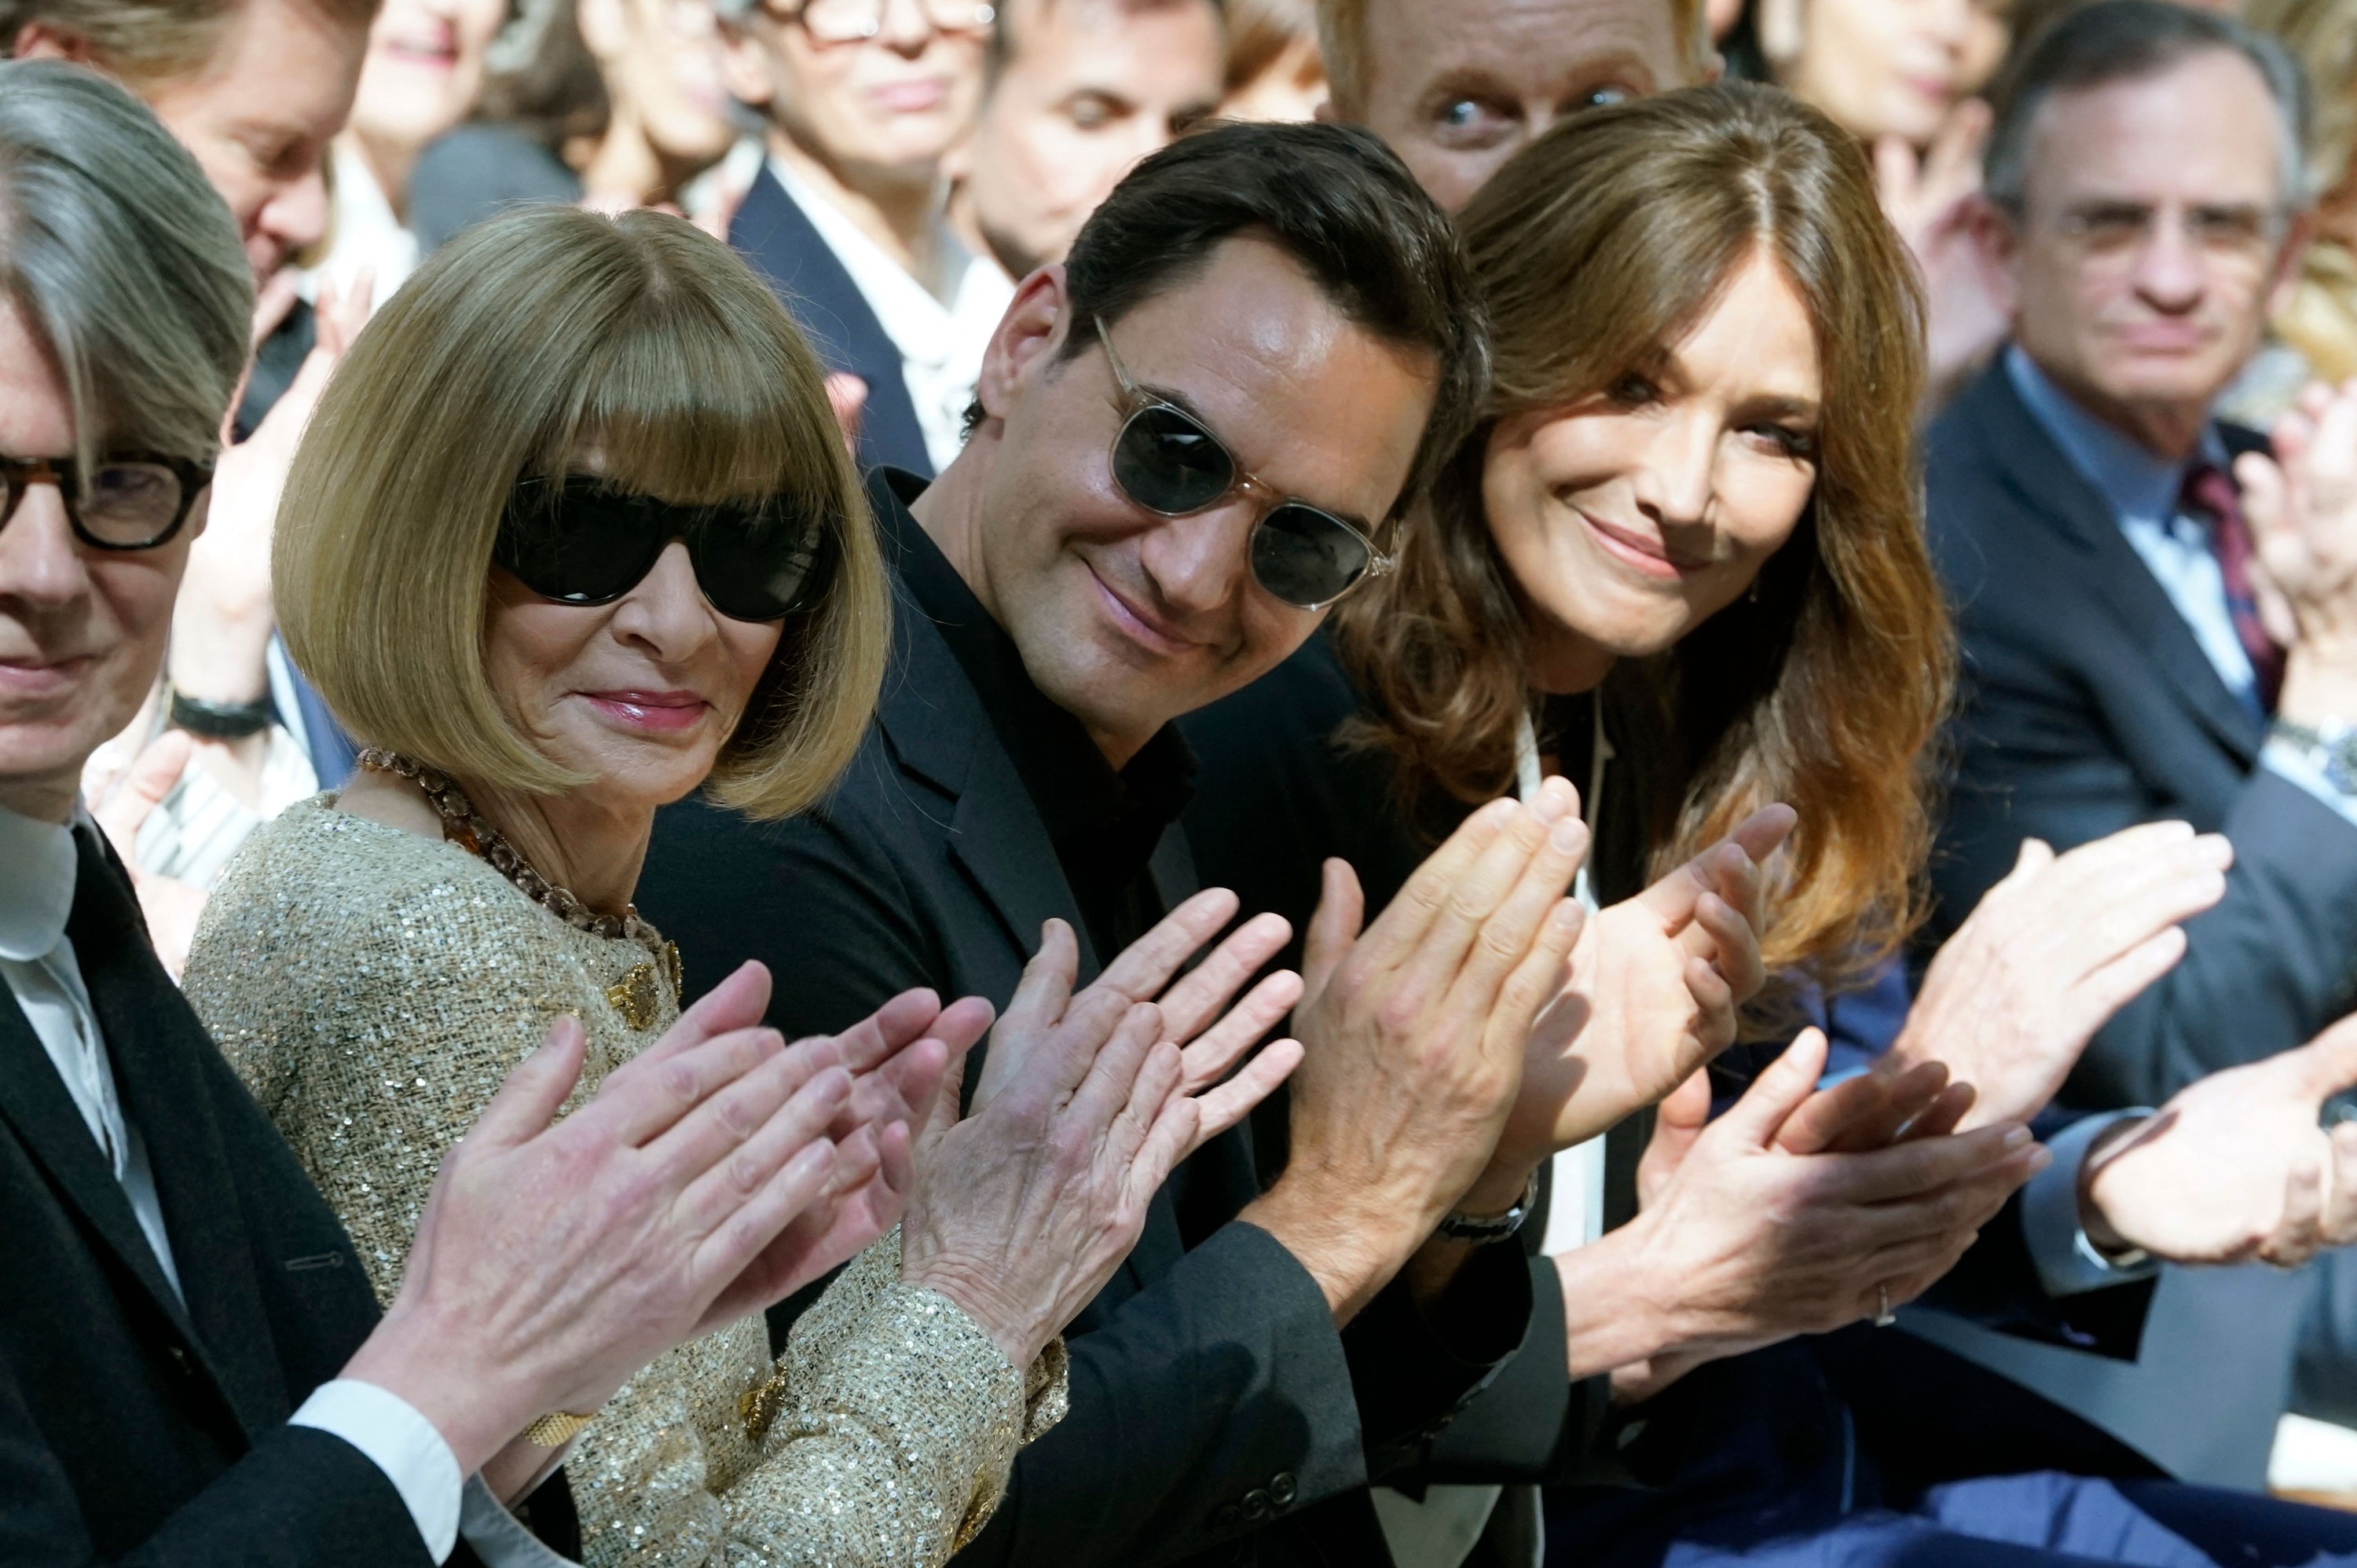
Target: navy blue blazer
[[2087, 707], [777, 237]]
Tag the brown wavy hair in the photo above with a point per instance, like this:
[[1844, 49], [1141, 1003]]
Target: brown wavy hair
[[1594, 249]]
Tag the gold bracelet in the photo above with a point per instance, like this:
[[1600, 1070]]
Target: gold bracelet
[[557, 1428]]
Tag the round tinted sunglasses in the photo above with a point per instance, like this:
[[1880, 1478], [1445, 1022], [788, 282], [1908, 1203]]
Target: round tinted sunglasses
[[1167, 461], [132, 500], [579, 541]]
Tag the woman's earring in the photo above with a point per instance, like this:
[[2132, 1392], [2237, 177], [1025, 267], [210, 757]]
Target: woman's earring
[[1751, 593]]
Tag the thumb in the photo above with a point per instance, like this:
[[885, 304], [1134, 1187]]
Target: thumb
[[1041, 1000], [1341, 907], [1687, 1108], [529, 1100], [1775, 1094]]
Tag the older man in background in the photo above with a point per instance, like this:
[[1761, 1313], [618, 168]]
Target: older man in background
[[1075, 91]]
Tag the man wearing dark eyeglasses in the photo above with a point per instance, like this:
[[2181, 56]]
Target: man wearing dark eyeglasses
[[1188, 441]]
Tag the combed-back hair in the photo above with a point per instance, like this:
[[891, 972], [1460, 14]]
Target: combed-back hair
[[1335, 199], [530, 346], [2129, 40], [147, 41], [1596, 249], [124, 260]]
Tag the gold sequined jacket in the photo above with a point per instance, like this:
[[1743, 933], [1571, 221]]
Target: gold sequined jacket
[[373, 987]]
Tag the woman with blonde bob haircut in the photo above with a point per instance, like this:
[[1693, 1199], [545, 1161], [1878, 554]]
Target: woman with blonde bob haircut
[[573, 533]]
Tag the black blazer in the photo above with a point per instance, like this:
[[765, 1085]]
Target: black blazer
[[774, 234], [131, 1429], [2087, 707], [1216, 1414]]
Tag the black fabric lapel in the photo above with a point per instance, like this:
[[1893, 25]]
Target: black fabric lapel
[[157, 1046], [2046, 485]]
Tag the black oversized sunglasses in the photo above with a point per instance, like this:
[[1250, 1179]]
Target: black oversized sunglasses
[[1166, 460], [131, 500], [580, 541]]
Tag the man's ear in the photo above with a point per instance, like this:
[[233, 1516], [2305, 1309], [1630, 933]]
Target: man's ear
[[1995, 231], [39, 40], [1026, 342]]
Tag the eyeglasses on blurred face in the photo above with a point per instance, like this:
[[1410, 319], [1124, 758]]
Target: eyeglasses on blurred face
[[2230, 238], [132, 500], [1169, 462], [851, 21]]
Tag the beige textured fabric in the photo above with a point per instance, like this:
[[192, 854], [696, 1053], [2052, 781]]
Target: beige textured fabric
[[373, 987]]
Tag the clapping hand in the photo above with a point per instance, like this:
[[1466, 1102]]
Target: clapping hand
[[2302, 507], [2049, 954], [1026, 1206], [121, 801], [1934, 202], [2236, 1166]]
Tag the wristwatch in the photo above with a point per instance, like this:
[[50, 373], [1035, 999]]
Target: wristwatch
[[222, 721], [1481, 1230], [2332, 751]]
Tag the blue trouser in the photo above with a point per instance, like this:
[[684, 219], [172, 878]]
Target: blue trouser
[[2021, 1522]]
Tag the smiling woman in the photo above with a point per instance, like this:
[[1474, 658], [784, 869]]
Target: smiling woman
[[573, 532]]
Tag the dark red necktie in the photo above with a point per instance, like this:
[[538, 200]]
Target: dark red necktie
[[2209, 493]]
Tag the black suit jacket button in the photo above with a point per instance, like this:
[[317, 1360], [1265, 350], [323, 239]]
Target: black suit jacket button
[[1283, 1489], [180, 1360], [1226, 1517], [1257, 1507]]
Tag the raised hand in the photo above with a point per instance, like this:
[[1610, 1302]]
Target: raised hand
[[2302, 507], [121, 799], [1195, 1015], [1934, 202], [2234, 1167], [1414, 1032], [1742, 1242], [1024, 1208], [554, 1261], [1655, 987], [901, 1057], [2049, 954]]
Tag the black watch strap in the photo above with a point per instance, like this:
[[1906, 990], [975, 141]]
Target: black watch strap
[[1481, 1230], [221, 721]]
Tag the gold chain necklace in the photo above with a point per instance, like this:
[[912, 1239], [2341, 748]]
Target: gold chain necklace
[[634, 996]]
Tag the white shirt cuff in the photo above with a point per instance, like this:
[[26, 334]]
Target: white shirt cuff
[[399, 1442], [2068, 1263], [500, 1538], [2289, 762]]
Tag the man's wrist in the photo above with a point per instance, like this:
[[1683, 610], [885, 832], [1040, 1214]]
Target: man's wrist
[[1497, 1190], [2320, 685], [2094, 1222], [1613, 1315], [473, 1406], [1346, 1248]]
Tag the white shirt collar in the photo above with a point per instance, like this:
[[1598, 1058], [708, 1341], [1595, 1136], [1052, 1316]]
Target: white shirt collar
[[38, 870]]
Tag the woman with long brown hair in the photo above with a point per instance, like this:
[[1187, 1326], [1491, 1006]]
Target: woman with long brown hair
[[1680, 562]]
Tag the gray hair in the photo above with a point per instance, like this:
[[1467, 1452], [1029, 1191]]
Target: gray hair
[[2128, 40], [125, 260]]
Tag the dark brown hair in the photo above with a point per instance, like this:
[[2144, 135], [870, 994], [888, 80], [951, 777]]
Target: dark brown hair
[[1605, 241]]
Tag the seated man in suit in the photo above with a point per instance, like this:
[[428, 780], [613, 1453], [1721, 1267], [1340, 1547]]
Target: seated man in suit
[[192, 1367], [1188, 438], [863, 100]]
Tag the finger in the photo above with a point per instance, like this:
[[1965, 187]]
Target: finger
[[1862, 1112], [1151, 1089], [1777, 1091], [276, 298], [1714, 1005], [739, 1001], [895, 1091], [1895, 171], [1176, 1134], [1211, 1055], [2300, 1232], [1764, 832], [1538, 980], [1146, 965], [1924, 1165], [1042, 999], [1498, 913], [738, 1241], [868, 1043], [1104, 1093], [2090, 1005], [1432, 889], [1333, 929], [1190, 1005], [2267, 501], [1735, 945], [1232, 1102], [1945, 1115], [142, 788], [744, 1102], [529, 1098]]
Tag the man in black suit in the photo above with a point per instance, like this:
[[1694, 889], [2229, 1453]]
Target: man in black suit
[[1188, 439], [2128, 658], [192, 1366]]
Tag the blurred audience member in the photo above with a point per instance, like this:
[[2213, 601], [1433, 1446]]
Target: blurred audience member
[[1274, 69], [1901, 75], [1457, 89], [423, 70], [1075, 91], [2316, 331], [617, 104], [865, 98]]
